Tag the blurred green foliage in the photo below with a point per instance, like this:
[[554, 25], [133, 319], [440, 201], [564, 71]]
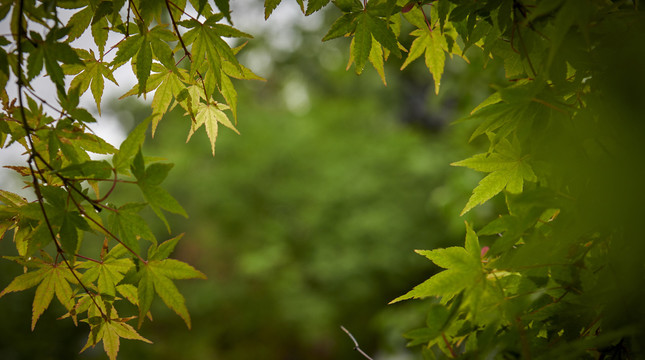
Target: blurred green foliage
[[308, 221]]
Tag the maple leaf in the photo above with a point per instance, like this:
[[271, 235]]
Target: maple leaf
[[209, 50], [148, 180], [91, 75], [432, 44], [463, 269], [368, 27], [110, 333], [51, 279], [108, 273], [507, 169], [210, 115], [157, 276]]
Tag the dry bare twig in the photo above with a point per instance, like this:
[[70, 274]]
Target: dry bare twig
[[356, 347]]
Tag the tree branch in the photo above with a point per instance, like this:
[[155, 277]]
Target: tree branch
[[356, 347]]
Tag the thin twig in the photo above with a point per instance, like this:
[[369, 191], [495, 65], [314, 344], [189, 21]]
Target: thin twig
[[135, 10], [182, 10], [356, 347], [445, 340], [127, 21], [183, 45], [105, 230], [111, 188], [519, 35]]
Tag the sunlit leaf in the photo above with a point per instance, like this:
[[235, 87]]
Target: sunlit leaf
[[362, 43], [432, 44], [507, 169], [210, 115]]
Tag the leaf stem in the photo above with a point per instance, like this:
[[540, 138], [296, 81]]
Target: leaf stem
[[111, 188], [88, 259], [426, 18], [183, 45], [519, 35], [445, 340], [182, 10], [136, 11]]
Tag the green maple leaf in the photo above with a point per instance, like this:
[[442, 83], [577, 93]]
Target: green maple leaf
[[51, 279], [91, 75], [368, 28], [377, 60], [159, 38], [269, 6], [157, 276], [203, 7], [362, 43], [463, 270], [148, 180], [240, 71], [225, 8], [128, 48], [69, 231], [169, 84], [227, 89], [110, 333], [143, 64], [507, 169], [50, 52], [210, 115], [107, 274], [169, 88], [315, 5], [158, 198], [79, 22], [230, 94], [343, 26], [141, 47], [209, 50], [432, 44], [130, 146]]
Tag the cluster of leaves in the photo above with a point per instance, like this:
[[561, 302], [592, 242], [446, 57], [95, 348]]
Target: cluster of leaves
[[537, 289], [73, 240], [542, 284]]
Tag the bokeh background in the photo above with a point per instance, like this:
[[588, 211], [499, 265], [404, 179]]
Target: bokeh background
[[307, 220]]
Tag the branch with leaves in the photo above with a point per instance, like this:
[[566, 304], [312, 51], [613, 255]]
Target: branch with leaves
[[64, 175]]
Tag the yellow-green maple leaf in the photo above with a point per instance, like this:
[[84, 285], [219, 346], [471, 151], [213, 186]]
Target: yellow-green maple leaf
[[210, 115], [507, 169]]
